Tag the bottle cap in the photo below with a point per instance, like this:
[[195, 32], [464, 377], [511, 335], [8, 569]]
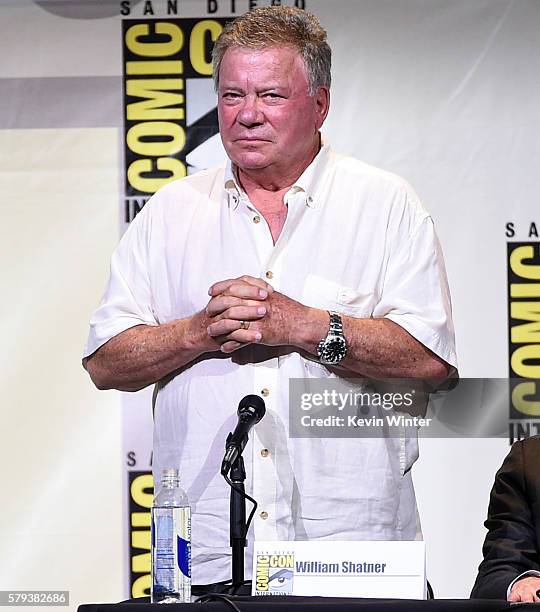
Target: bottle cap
[[171, 473], [170, 476]]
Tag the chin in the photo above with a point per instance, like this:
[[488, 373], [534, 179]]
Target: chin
[[250, 157], [250, 161]]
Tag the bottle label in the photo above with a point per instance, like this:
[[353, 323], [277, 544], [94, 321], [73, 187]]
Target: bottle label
[[171, 553]]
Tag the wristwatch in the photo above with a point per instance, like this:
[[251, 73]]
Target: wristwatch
[[333, 349]]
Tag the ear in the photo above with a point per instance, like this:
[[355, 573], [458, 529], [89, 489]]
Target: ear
[[322, 105]]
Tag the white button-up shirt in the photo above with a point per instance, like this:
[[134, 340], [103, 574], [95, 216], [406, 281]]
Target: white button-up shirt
[[357, 241]]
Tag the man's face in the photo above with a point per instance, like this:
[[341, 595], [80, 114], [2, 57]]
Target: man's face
[[267, 119]]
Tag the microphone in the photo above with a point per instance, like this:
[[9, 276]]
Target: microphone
[[251, 410]]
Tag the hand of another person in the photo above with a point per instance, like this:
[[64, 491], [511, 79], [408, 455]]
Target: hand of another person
[[525, 590]]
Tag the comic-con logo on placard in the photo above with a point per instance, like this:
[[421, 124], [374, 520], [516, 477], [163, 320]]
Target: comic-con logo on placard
[[274, 574], [523, 292], [170, 116]]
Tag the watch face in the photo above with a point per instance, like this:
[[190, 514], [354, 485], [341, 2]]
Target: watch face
[[333, 350]]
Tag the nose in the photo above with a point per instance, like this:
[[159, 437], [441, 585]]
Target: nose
[[250, 113]]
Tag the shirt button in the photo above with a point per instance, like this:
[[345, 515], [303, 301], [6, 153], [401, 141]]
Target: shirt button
[[265, 452], [256, 219], [269, 274], [264, 515], [265, 392]]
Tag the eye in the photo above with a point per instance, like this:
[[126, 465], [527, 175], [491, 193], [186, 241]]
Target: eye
[[230, 95]]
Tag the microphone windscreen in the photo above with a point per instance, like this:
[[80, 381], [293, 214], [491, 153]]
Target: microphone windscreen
[[252, 405]]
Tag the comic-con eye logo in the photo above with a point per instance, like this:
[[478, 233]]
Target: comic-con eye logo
[[274, 574]]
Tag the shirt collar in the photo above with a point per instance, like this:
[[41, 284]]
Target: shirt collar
[[233, 189], [308, 182]]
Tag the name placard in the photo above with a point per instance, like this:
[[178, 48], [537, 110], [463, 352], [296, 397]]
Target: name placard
[[340, 569]]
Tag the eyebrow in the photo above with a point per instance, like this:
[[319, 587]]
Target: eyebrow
[[266, 88]]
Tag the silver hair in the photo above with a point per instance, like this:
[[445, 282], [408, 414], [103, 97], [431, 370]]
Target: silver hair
[[279, 26]]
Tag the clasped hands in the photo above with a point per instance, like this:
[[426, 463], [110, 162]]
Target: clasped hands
[[248, 310]]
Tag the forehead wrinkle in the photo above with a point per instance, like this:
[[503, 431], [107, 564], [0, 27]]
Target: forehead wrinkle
[[281, 66], [248, 62]]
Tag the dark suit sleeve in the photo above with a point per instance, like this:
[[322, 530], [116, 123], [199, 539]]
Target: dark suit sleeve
[[510, 547]]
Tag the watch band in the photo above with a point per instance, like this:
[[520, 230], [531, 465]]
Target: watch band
[[336, 325]]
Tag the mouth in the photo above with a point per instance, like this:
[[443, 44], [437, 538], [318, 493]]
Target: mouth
[[251, 139]]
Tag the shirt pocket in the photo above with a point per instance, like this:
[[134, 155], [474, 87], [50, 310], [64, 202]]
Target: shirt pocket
[[320, 292]]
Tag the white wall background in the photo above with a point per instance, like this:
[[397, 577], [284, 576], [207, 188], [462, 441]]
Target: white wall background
[[444, 93]]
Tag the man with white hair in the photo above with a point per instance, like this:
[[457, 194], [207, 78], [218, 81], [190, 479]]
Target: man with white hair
[[290, 261]]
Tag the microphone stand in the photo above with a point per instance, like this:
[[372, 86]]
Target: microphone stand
[[237, 518]]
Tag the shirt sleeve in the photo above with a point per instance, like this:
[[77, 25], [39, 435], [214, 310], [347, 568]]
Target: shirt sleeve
[[127, 300], [415, 293]]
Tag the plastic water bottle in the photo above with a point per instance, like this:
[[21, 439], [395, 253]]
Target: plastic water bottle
[[171, 542]]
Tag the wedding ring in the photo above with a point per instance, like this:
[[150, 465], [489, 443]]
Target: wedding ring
[[244, 324]]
